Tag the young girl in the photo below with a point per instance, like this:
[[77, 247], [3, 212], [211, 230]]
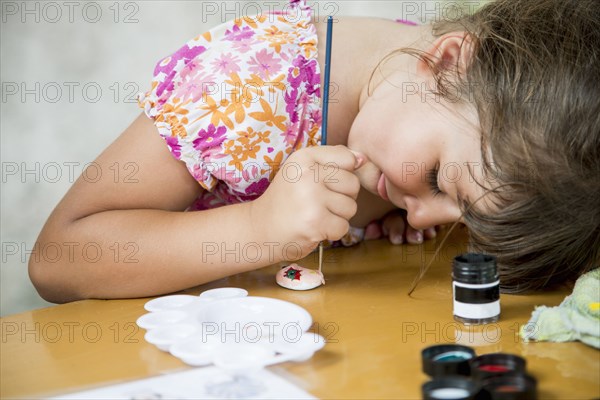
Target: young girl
[[493, 122]]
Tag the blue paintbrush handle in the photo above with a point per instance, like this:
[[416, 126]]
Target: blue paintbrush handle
[[326, 81]]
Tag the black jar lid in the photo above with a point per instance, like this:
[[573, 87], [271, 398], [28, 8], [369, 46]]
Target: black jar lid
[[450, 387], [447, 359], [495, 364], [513, 386], [474, 268]]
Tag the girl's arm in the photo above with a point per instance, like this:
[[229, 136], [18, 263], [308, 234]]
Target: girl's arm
[[120, 230]]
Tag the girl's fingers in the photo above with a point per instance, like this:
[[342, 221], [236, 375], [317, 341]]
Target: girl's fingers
[[336, 227], [414, 236], [341, 205], [340, 181], [373, 231], [338, 156], [397, 229], [430, 233], [394, 225]]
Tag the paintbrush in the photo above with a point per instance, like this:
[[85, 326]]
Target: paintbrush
[[326, 104]]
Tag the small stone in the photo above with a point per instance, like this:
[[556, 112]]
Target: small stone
[[296, 277]]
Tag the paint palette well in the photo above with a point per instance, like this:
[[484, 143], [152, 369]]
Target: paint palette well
[[227, 328]]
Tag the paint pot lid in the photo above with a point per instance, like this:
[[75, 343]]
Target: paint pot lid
[[494, 364], [447, 359], [512, 386], [450, 387], [475, 268]]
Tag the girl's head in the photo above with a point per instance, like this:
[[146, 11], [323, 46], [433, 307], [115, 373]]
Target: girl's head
[[519, 156]]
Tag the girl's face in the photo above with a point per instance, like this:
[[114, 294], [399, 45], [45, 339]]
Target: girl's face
[[417, 144]]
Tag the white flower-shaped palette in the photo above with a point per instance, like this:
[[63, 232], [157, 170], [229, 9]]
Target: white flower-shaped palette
[[230, 329]]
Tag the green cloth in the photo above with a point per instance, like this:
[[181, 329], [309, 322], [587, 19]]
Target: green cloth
[[576, 318]]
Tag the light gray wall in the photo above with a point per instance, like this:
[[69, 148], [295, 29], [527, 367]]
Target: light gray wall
[[53, 119]]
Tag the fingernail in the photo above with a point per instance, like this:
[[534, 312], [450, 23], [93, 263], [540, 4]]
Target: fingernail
[[359, 158], [396, 239], [419, 237]]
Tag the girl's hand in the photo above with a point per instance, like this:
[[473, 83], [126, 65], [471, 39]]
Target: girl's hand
[[311, 199], [395, 226]]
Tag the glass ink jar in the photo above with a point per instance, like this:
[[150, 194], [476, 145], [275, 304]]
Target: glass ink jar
[[475, 289]]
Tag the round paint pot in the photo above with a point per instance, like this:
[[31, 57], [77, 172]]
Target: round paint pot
[[495, 364], [447, 359], [450, 387], [509, 387], [475, 289]]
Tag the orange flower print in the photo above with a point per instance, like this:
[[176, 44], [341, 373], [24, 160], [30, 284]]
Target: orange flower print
[[274, 164], [237, 107], [276, 37], [249, 150], [250, 140], [169, 108], [177, 127], [309, 47], [264, 137], [218, 116], [269, 116], [245, 147], [312, 136], [250, 21], [240, 92], [169, 114], [274, 84]]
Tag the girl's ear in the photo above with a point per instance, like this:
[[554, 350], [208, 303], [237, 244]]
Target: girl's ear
[[449, 53]]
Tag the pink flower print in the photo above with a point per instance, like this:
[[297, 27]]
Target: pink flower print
[[206, 201], [242, 47], [223, 173], [201, 174], [227, 194], [313, 79], [185, 53], [210, 138], [291, 133], [174, 146], [303, 79], [264, 64], [227, 64], [315, 115], [167, 65], [254, 190], [297, 74], [290, 104], [194, 84], [305, 72], [250, 171], [237, 35]]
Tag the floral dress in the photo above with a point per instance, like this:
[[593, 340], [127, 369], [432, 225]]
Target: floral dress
[[234, 102]]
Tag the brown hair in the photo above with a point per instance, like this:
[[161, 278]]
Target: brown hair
[[533, 79]]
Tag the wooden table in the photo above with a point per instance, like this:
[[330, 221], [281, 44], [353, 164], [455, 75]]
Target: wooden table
[[375, 332]]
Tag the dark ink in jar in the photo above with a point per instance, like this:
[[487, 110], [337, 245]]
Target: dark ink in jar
[[475, 288]]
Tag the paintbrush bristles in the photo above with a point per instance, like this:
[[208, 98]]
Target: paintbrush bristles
[[320, 256]]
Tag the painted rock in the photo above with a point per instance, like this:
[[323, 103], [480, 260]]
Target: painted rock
[[296, 277]]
